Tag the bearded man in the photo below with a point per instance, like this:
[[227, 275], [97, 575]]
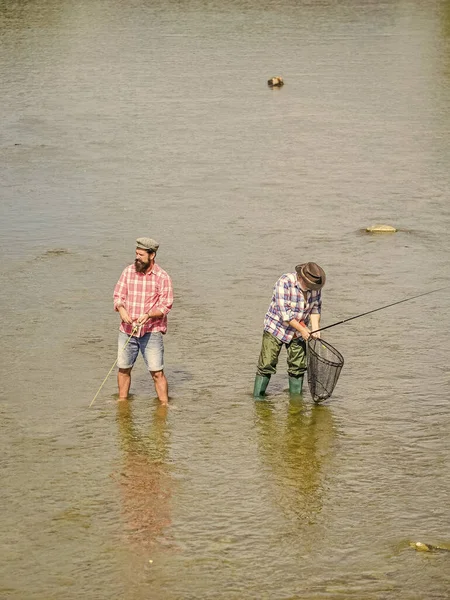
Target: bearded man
[[143, 297]]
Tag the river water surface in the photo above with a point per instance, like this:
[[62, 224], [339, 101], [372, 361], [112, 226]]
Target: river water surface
[[127, 119]]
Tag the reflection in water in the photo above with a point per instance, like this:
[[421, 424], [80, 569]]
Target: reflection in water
[[297, 448], [144, 478]]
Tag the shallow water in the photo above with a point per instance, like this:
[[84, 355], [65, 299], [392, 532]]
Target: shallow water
[[129, 119]]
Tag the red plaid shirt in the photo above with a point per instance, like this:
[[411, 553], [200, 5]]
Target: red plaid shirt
[[141, 293]]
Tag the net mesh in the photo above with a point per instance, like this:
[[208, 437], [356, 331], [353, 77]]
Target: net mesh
[[324, 367]]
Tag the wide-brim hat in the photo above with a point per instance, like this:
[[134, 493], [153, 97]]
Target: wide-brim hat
[[147, 244], [312, 274]]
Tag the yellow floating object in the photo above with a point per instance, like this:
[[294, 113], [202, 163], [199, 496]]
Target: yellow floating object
[[381, 229]]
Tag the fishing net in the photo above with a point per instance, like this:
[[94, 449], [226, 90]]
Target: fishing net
[[324, 367]]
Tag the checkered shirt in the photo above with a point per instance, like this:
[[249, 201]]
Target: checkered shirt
[[289, 303], [142, 293]]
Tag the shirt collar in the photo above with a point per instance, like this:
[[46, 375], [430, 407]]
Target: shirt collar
[[153, 270]]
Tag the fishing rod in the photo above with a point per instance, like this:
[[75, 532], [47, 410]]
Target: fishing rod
[[135, 328], [381, 308]]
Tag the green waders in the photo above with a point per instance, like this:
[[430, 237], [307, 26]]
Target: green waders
[[268, 360], [295, 384], [261, 382]]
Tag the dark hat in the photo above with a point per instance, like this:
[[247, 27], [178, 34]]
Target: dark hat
[[312, 274], [147, 244]]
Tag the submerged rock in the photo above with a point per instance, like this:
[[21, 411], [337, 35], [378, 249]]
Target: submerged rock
[[421, 547], [381, 229], [275, 82]]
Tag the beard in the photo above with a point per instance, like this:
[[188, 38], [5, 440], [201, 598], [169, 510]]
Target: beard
[[141, 266]]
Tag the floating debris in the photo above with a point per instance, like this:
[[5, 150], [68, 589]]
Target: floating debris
[[55, 252], [381, 229], [52, 253], [275, 82]]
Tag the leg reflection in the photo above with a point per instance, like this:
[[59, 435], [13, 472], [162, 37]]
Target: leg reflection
[[298, 448], [144, 478]]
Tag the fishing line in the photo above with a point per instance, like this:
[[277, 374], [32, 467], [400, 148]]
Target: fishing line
[[135, 328], [381, 308]]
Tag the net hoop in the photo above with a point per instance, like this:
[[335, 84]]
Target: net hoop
[[339, 359], [324, 367]]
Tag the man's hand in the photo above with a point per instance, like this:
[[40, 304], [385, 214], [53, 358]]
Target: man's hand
[[143, 319], [125, 316], [305, 333], [301, 328]]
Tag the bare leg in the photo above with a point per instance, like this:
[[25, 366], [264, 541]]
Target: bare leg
[[124, 382], [161, 386]]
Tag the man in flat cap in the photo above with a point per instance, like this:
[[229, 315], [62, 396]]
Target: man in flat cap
[[143, 297], [293, 314]]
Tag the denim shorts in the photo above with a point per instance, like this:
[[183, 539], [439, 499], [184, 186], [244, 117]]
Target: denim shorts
[[151, 345]]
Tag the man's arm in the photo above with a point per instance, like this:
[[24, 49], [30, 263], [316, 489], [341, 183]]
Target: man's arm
[[164, 305], [315, 323], [282, 297], [314, 317], [120, 296], [301, 328], [165, 301]]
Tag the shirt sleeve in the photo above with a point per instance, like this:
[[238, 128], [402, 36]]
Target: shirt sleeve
[[165, 300], [120, 291], [316, 308], [282, 296]]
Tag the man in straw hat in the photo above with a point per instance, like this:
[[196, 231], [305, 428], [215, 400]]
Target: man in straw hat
[[293, 314], [143, 296]]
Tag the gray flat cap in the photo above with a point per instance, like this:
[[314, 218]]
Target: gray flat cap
[[147, 244]]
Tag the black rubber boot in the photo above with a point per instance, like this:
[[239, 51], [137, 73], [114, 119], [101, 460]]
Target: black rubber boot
[[261, 383]]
